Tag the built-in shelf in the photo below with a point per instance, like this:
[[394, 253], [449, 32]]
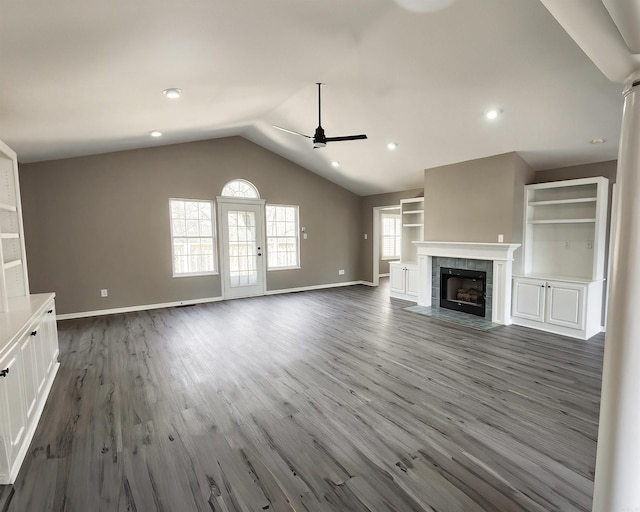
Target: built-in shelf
[[562, 286], [7, 207], [408, 212], [8, 236], [564, 201], [412, 225], [562, 221], [10, 264]]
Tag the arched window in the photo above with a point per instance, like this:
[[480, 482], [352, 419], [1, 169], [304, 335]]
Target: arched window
[[240, 188]]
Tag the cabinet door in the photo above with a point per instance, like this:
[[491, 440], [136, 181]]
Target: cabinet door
[[50, 335], [14, 417], [396, 278], [565, 304], [41, 349], [529, 299], [412, 281], [29, 367]]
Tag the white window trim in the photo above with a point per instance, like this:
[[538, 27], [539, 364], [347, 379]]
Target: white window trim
[[395, 215], [214, 238], [298, 237]]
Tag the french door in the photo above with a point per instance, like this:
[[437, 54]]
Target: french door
[[242, 247]]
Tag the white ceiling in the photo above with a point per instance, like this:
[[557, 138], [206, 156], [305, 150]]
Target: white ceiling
[[84, 77]]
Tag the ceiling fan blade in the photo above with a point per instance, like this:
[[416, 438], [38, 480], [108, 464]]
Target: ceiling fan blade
[[346, 137], [291, 131]]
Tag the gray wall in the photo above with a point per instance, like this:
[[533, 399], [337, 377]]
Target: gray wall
[[367, 204], [477, 200], [607, 169], [102, 221]]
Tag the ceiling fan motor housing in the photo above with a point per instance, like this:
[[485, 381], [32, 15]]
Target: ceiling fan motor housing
[[319, 138]]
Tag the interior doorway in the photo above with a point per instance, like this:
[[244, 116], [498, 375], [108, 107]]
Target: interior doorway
[[377, 241]]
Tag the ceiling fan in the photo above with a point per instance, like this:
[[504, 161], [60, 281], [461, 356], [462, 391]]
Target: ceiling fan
[[319, 138]]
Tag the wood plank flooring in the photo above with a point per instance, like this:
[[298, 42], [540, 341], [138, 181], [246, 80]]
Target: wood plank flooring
[[333, 400]]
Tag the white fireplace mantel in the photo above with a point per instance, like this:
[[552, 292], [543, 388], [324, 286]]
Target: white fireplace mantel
[[500, 254]]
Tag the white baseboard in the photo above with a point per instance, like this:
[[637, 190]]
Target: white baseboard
[[145, 307], [141, 307], [384, 275], [314, 287]]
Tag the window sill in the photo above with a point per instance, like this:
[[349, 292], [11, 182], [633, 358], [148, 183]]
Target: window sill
[[196, 274], [390, 258], [283, 268]]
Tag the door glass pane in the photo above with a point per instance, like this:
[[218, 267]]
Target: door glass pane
[[242, 248]]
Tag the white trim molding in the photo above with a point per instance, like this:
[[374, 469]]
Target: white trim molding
[[191, 302], [140, 307], [500, 254]]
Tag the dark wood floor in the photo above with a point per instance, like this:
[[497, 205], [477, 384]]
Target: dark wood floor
[[332, 400]]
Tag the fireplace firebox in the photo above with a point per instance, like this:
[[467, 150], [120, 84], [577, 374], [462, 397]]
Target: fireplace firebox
[[463, 290]]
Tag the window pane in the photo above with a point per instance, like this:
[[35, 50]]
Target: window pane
[[193, 237], [282, 236]]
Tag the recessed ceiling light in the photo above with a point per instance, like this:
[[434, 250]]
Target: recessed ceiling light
[[493, 113], [155, 133], [335, 163], [424, 5], [172, 93], [598, 141], [392, 145]]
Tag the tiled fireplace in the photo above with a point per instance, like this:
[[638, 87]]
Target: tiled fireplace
[[460, 284], [494, 259]]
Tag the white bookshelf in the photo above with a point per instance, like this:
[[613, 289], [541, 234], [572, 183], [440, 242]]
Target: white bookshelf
[[412, 211], [561, 289], [13, 270], [404, 278], [28, 332]]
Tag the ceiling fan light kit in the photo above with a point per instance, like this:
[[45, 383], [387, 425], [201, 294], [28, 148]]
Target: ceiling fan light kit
[[319, 138]]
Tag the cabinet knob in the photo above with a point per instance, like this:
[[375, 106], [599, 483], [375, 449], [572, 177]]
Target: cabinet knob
[[3, 373], [50, 311], [34, 333]]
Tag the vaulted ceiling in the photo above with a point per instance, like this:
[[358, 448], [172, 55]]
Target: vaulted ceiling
[[84, 77]]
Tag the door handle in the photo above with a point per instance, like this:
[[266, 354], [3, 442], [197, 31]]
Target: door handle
[[259, 254]]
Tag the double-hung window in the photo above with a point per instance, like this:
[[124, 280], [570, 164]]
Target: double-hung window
[[193, 240], [283, 241], [391, 240]]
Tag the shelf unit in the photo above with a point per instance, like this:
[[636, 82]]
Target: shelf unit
[[13, 270], [565, 228], [561, 289], [412, 211], [404, 276], [28, 332]]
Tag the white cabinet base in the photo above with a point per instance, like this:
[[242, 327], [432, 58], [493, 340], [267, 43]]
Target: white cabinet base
[[404, 281], [558, 306], [28, 367]]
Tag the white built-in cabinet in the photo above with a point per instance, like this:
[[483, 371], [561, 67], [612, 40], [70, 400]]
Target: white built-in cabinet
[[561, 289], [403, 281], [403, 274], [28, 332]]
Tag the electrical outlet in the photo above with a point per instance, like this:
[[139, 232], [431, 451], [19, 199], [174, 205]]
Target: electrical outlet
[[341, 272], [304, 236], [366, 236], [104, 293], [500, 238]]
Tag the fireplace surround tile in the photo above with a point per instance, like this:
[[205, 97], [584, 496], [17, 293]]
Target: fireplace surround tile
[[465, 264]]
